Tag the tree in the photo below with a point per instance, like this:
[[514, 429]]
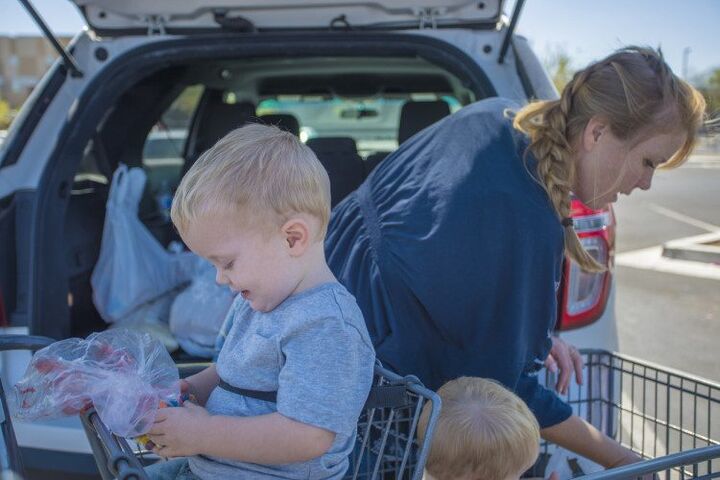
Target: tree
[[711, 92], [560, 66], [5, 115]]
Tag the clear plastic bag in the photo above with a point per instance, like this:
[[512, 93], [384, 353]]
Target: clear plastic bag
[[123, 374], [198, 312], [133, 268]]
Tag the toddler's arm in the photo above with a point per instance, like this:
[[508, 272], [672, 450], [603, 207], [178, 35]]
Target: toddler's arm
[[272, 439], [201, 384]]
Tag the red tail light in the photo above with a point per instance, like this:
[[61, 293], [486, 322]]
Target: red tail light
[[583, 296]]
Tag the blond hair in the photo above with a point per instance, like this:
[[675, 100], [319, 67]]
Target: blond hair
[[635, 90], [261, 172], [484, 430]]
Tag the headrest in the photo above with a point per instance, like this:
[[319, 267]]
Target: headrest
[[284, 121], [332, 144], [416, 116], [219, 119]]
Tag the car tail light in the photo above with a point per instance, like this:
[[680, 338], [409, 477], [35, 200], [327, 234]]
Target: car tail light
[[583, 296]]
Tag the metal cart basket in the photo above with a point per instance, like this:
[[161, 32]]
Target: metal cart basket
[[668, 417], [386, 445]]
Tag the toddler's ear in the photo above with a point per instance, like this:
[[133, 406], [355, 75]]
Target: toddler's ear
[[297, 236]]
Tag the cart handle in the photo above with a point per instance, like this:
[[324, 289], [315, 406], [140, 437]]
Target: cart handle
[[646, 467], [24, 342]]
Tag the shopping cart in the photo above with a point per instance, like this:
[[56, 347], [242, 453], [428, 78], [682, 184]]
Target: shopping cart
[[386, 445], [670, 418], [10, 459]]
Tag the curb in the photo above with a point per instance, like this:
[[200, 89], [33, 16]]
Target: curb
[[696, 249]]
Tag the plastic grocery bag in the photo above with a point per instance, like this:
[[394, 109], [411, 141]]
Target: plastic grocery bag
[[123, 374], [152, 318], [569, 465], [198, 312], [133, 267]]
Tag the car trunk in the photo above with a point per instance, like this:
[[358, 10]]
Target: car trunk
[[113, 124]]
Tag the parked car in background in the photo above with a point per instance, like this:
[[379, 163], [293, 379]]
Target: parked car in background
[[154, 84]]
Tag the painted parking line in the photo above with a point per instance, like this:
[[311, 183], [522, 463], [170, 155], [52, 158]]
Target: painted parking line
[[681, 217], [703, 166], [652, 259], [709, 161]]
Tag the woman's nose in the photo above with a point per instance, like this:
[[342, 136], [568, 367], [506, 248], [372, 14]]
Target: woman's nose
[[646, 181]]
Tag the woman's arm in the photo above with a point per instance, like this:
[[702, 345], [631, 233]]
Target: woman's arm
[[577, 435], [201, 384]]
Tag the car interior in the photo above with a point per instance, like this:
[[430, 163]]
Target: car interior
[[351, 111]]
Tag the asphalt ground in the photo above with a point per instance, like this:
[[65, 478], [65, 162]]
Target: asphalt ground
[[670, 317]]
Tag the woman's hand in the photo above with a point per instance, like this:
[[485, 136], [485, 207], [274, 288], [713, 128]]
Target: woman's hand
[[178, 431], [566, 358], [577, 435], [629, 457]]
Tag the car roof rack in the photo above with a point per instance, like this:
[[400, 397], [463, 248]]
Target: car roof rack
[[67, 58]]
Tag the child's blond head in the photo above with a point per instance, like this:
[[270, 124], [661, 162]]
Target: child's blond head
[[484, 431], [262, 173]]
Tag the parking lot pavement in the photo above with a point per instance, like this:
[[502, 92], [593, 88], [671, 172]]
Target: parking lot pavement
[[670, 316], [672, 320]]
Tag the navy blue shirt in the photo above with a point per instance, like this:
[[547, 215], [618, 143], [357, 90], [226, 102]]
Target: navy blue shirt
[[454, 254]]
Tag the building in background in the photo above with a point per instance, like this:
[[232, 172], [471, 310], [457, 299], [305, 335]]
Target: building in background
[[23, 62]]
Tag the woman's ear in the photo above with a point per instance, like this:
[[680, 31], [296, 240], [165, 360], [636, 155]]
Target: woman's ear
[[297, 236], [594, 130]]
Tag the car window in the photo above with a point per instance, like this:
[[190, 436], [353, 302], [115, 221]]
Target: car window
[[372, 122], [163, 150]]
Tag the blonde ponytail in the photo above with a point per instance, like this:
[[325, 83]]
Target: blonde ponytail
[[545, 123]]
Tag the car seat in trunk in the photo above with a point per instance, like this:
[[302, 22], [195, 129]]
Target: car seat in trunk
[[84, 222]]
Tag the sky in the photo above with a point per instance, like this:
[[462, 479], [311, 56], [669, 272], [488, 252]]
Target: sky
[[589, 31], [586, 30]]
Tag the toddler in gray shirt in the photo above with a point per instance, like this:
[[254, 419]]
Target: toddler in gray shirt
[[294, 372]]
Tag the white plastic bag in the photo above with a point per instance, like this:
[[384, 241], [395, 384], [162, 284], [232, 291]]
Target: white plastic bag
[[152, 318], [133, 268], [569, 465], [198, 312], [123, 374]]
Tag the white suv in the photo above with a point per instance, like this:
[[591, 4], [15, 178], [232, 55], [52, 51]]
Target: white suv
[[153, 84]]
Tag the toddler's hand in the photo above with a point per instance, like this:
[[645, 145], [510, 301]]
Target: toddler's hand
[[187, 392], [185, 387], [177, 431]]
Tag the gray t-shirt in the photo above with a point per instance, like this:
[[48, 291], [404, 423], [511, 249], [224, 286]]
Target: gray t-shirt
[[315, 351]]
